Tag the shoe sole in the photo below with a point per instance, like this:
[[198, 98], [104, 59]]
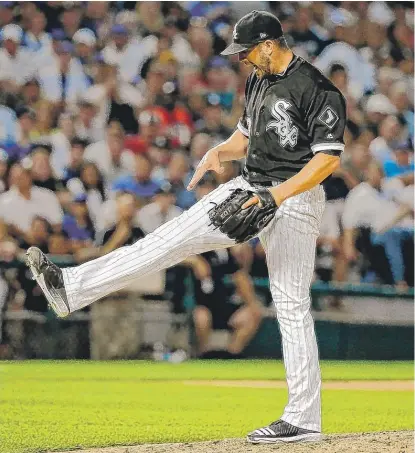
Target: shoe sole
[[55, 302], [300, 438]]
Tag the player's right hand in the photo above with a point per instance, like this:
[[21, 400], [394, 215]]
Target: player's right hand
[[210, 161]]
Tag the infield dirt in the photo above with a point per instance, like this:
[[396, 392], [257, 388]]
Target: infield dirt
[[382, 442]]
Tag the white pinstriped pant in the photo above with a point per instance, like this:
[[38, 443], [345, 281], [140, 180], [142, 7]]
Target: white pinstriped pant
[[289, 242]]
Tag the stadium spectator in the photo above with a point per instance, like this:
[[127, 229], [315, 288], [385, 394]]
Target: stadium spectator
[[16, 65], [23, 201], [36, 38], [389, 221], [140, 183], [178, 176], [110, 156], [77, 224], [63, 80], [217, 306], [160, 210], [42, 174]]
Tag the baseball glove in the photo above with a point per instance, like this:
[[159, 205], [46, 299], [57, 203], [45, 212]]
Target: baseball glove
[[243, 224]]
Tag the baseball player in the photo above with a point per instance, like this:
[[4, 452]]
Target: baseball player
[[291, 135]]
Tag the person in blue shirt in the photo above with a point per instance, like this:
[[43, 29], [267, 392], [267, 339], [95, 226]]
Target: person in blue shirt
[[402, 162], [140, 183], [77, 224]]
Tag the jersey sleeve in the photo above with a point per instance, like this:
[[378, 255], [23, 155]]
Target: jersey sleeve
[[243, 125], [326, 123], [244, 121]]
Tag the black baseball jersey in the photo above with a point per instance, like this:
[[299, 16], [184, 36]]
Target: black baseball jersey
[[289, 117]]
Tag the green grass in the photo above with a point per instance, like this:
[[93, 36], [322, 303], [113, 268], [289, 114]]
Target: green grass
[[59, 405]]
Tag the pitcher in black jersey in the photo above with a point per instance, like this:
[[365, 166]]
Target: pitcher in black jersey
[[294, 120]]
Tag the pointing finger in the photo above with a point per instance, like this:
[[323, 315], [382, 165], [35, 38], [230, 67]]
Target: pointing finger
[[196, 178]]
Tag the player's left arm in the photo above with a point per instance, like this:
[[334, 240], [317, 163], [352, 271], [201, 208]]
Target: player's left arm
[[326, 121]]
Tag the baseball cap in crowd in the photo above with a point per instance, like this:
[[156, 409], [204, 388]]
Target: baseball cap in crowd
[[253, 28], [41, 145], [85, 36], [379, 103], [218, 62], [404, 146], [12, 32], [340, 17], [119, 29], [80, 198]]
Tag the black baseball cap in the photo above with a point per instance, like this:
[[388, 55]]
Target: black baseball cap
[[253, 28]]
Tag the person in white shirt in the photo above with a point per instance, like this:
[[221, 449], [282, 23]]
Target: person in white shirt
[[36, 39], [61, 143], [128, 53], [63, 80], [85, 48], [87, 125], [160, 211], [390, 221], [16, 62], [24, 201], [110, 156], [109, 86]]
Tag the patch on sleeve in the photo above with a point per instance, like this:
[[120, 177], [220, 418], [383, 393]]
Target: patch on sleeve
[[328, 117]]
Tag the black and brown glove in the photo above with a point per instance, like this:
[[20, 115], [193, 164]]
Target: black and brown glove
[[243, 224]]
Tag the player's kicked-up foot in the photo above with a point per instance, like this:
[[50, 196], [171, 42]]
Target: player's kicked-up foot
[[49, 277], [281, 431]]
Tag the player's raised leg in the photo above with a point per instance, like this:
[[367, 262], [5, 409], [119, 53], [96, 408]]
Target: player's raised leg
[[290, 243], [73, 288]]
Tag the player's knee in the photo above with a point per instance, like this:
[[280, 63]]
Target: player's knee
[[202, 317]]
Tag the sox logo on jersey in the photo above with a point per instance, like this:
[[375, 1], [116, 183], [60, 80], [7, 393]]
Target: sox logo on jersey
[[283, 127]]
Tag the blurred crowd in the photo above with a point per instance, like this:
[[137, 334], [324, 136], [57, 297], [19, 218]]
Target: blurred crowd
[[106, 108]]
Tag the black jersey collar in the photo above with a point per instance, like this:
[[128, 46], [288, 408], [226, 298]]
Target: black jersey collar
[[287, 71]]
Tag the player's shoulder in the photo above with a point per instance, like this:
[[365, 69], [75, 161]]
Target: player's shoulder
[[313, 78]]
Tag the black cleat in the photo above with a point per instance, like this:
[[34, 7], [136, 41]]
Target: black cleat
[[49, 277], [281, 431]]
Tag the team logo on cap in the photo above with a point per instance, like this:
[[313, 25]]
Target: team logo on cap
[[235, 34], [263, 35]]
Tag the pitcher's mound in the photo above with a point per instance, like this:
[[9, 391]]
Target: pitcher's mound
[[385, 442]]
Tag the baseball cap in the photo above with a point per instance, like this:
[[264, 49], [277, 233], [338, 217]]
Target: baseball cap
[[218, 62], [119, 29], [12, 32], [253, 28], [80, 198], [85, 36]]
